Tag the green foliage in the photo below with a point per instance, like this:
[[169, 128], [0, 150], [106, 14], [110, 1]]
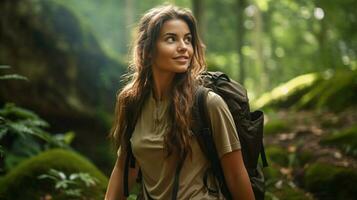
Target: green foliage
[[69, 187], [278, 186], [272, 173], [330, 182], [346, 140], [276, 126], [277, 155], [25, 176], [333, 90], [24, 134], [285, 190], [11, 76], [304, 157], [287, 93]]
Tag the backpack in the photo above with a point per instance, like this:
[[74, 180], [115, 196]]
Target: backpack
[[249, 126]]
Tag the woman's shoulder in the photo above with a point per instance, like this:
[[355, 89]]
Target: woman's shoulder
[[214, 100]]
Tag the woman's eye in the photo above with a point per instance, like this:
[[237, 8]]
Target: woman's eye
[[188, 40], [170, 39]]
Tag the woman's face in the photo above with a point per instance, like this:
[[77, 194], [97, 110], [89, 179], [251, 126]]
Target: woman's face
[[173, 48]]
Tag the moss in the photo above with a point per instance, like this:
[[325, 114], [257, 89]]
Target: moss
[[25, 175], [331, 122], [331, 182], [276, 126], [286, 192], [277, 155], [286, 94], [271, 173], [332, 90], [304, 157], [346, 140]]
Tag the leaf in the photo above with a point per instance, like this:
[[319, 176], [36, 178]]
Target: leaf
[[61, 184], [1, 152], [46, 176], [73, 176], [87, 179], [62, 175], [74, 192], [5, 66], [10, 109], [36, 122], [13, 77], [54, 172], [65, 138], [26, 146], [20, 129], [3, 131]]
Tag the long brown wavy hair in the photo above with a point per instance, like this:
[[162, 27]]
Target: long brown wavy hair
[[132, 97]]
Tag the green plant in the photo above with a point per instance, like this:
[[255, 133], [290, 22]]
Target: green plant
[[345, 139], [8, 77], [70, 186], [11, 76], [327, 181], [23, 135], [23, 132], [24, 176]]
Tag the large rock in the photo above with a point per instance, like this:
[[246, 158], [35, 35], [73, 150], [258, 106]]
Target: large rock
[[70, 76], [72, 81], [331, 90], [22, 182], [345, 139], [326, 181]]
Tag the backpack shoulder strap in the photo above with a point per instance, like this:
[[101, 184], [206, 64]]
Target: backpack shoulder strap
[[200, 105], [205, 140]]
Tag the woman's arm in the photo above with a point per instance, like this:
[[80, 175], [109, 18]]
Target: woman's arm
[[236, 176], [115, 185]]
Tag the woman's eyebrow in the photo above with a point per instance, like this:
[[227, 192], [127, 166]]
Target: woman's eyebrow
[[174, 34]]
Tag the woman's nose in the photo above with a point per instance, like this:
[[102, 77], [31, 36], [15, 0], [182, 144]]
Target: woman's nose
[[182, 45]]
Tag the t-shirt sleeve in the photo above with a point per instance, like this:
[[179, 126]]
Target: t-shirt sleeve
[[223, 128], [119, 151]]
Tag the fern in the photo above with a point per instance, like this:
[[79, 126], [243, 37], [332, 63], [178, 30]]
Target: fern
[[27, 133], [5, 66], [71, 186], [11, 76]]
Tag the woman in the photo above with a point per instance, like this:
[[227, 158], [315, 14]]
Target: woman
[[154, 115]]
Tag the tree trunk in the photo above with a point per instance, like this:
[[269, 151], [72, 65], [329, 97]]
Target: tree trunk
[[198, 11], [240, 37], [129, 20], [258, 45]]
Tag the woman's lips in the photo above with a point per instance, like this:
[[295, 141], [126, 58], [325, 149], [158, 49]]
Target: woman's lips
[[181, 59]]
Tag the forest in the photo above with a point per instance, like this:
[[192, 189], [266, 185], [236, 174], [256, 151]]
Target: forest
[[62, 64]]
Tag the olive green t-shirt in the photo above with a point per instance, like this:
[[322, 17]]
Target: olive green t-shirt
[[158, 170]]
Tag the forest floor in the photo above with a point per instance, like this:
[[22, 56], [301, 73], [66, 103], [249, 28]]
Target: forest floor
[[309, 127], [303, 132]]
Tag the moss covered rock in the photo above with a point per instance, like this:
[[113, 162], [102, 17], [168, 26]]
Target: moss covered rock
[[286, 94], [276, 126], [277, 155], [25, 176], [272, 172], [286, 191], [332, 90], [346, 140], [303, 157], [330, 182]]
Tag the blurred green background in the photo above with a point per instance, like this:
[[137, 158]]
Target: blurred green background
[[61, 64]]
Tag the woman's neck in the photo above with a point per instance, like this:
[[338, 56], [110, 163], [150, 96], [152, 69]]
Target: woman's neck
[[162, 84]]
